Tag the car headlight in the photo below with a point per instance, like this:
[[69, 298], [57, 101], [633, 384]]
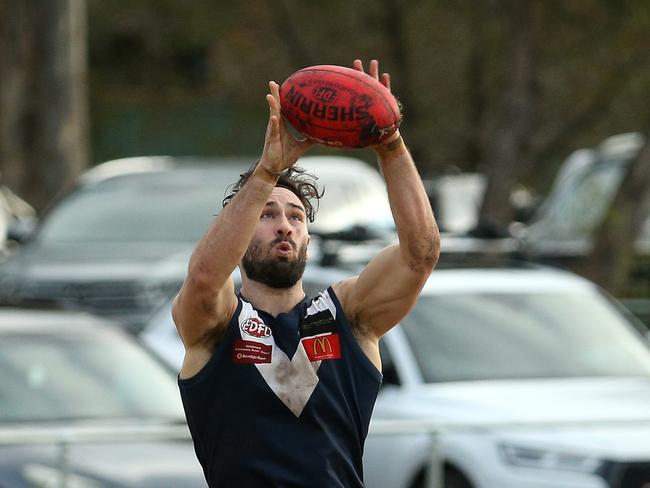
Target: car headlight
[[546, 459]]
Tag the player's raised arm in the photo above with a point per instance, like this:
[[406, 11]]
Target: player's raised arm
[[207, 300], [389, 286]]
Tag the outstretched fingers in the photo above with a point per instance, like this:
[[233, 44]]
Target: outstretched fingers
[[385, 80], [273, 127], [274, 98], [373, 70]]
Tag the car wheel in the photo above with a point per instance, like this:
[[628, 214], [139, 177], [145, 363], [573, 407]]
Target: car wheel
[[455, 479]]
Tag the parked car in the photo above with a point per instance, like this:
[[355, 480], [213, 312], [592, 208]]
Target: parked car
[[64, 375], [549, 376], [118, 244], [557, 229], [564, 226], [543, 380], [14, 213]]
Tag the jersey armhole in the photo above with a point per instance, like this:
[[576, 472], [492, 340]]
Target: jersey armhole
[[363, 359], [209, 366]]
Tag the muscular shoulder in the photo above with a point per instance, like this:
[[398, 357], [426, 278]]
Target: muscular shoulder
[[361, 330], [199, 352]]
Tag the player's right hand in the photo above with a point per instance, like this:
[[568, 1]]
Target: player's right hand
[[281, 148]]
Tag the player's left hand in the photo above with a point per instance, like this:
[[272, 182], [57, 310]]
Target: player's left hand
[[384, 79]]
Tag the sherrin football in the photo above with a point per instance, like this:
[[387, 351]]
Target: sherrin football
[[339, 106]]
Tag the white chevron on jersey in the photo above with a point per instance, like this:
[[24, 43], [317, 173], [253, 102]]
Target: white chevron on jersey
[[292, 380], [322, 302]]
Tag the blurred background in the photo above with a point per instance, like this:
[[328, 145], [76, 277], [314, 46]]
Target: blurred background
[[505, 88], [529, 121]]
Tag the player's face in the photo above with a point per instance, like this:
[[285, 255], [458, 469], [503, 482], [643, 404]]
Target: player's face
[[277, 254]]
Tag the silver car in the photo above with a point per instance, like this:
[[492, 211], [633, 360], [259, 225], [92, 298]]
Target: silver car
[[83, 405]]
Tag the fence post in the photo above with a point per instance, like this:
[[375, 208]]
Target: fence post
[[435, 473], [63, 462]]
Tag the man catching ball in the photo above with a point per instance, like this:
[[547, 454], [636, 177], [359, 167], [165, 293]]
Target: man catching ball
[[278, 388]]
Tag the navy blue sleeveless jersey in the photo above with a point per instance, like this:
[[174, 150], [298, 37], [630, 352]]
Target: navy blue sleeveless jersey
[[284, 402]]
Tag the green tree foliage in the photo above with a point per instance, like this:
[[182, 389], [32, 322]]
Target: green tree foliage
[[189, 77], [449, 62]]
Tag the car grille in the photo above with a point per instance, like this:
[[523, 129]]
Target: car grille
[[627, 475]]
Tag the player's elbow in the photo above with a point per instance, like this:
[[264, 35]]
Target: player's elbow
[[424, 251], [204, 278], [200, 290], [198, 280]]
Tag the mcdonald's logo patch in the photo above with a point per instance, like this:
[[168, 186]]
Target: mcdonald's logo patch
[[322, 347]]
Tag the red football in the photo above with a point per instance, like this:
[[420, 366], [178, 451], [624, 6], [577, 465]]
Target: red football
[[339, 106]]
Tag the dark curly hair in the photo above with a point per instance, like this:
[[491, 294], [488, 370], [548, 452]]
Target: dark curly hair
[[295, 179]]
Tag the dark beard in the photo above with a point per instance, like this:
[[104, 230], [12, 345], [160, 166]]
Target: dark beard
[[272, 271]]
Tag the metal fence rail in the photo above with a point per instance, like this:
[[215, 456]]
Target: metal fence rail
[[435, 471], [64, 438]]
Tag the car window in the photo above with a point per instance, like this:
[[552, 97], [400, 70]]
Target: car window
[[458, 337], [44, 378], [179, 205], [174, 206], [352, 200], [577, 211]]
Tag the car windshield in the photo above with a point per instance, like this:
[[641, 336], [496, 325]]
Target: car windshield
[[522, 335], [577, 211], [347, 201], [179, 205], [47, 378], [158, 207]]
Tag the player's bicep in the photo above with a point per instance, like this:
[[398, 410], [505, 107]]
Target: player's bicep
[[384, 292]]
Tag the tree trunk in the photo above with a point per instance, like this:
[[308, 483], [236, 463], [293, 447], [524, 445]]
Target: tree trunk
[[397, 39], [43, 94], [476, 93], [610, 261], [515, 127]]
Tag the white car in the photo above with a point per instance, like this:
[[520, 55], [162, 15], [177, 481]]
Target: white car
[[541, 380], [536, 379]]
